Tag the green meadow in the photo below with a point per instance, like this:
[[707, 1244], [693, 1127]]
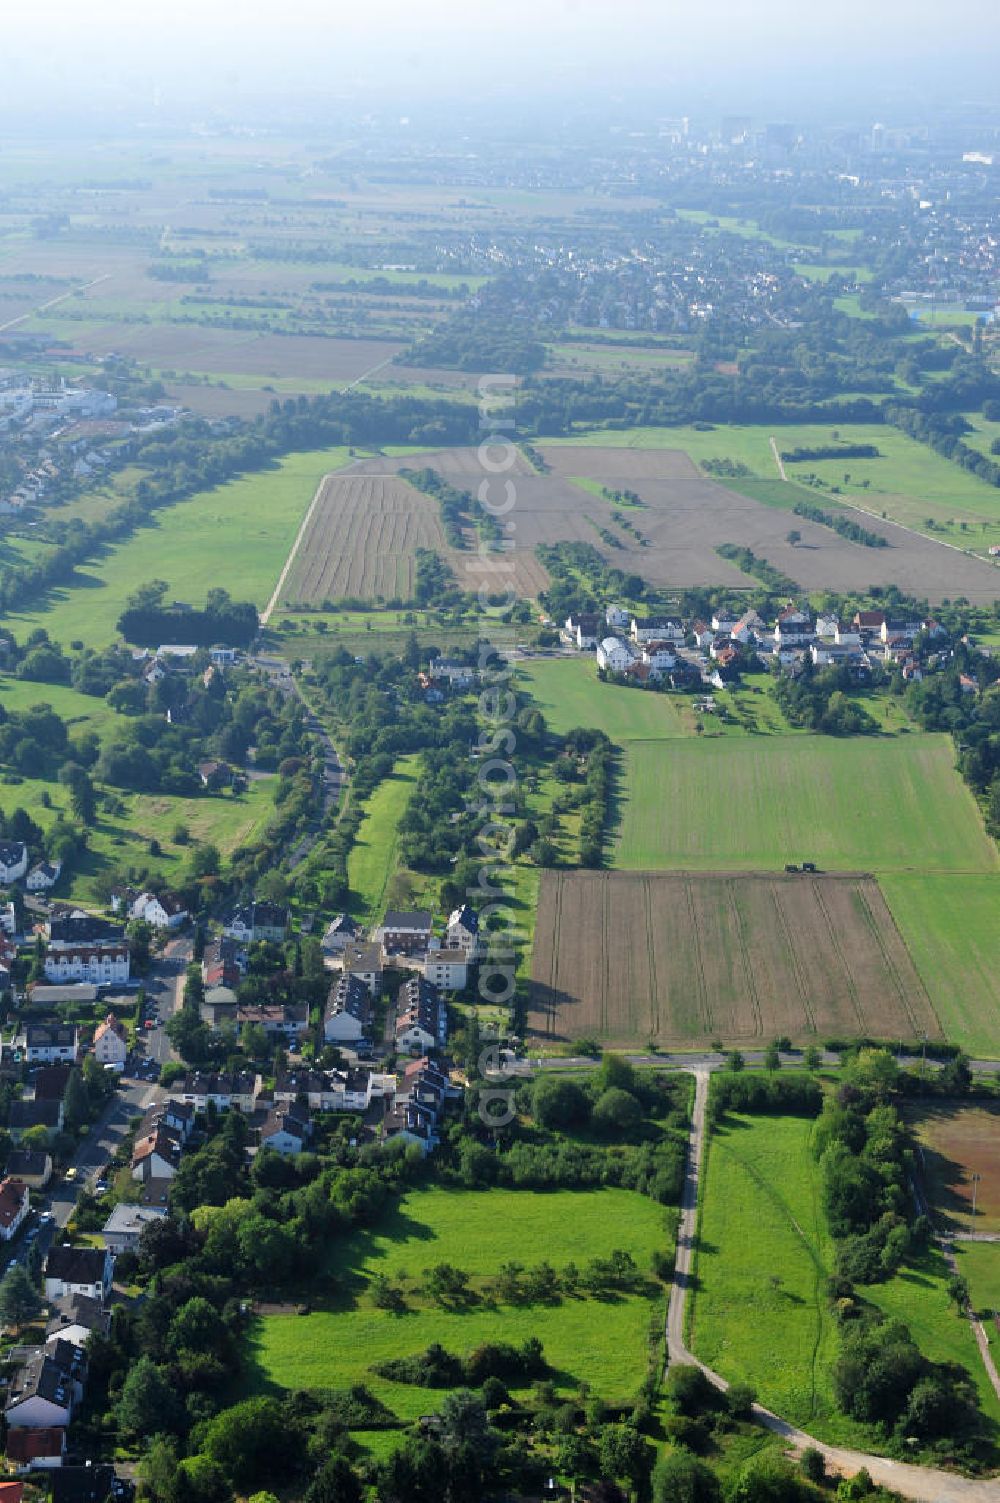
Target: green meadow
[[761, 1313], [604, 1345], [979, 1263], [569, 694], [81, 712], [754, 803], [949, 924], [236, 536], [122, 838], [374, 855]]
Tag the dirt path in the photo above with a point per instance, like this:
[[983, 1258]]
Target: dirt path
[[265, 614], [926, 1484], [777, 458], [53, 302]]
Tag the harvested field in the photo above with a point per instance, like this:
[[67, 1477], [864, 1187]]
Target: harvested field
[[684, 959], [687, 516], [362, 540], [959, 1141]]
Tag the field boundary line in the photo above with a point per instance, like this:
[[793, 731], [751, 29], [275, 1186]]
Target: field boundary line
[[654, 993], [838, 951], [272, 603], [699, 959], [749, 978], [793, 957], [887, 960]]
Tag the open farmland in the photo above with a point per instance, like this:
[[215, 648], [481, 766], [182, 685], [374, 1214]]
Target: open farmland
[[476, 1231], [960, 1141], [949, 923], [569, 693], [686, 516], [365, 530], [362, 541], [755, 803], [687, 958]]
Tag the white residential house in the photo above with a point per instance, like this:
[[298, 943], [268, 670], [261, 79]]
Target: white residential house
[[847, 635], [103, 963], [793, 628], [341, 932], [614, 655], [581, 630], [659, 655], [41, 1396], [703, 634], [656, 629], [617, 615], [126, 1224], [463, 931], [286, 1131], [43, 876], [78, 1270], [162, 911], [111, 1044], [827, 626], [448, 969], [348, 1011], [13, 860], [8, 919], [156, 1155], [724, 621], [49, 1043]]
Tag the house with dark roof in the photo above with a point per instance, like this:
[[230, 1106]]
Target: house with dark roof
[[77, 1270], [421, 1017], [14, 1205], [75, 1317], [348, 1010], [49, 1043], [36, 1449], [44, 1392], [404, 933], [252, 922], [286, 1129], [73, 927], [364, 962], [32, 1165], [27, 1114], [463, 930], [96, 1482], [49, 1082], [341, 932]]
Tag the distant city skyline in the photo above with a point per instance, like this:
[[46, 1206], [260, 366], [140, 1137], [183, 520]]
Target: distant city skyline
[[773, 58]]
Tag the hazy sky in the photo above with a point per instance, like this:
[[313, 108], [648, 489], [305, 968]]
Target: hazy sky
[[241, 50]]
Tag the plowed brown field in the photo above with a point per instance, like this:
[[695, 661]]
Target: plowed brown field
[[683, 959]]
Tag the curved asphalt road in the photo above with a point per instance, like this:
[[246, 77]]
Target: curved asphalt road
[[925, 1484]]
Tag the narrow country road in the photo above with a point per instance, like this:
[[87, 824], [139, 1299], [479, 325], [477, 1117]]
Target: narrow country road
[[926, 1484], [334, 777], [777, 458]]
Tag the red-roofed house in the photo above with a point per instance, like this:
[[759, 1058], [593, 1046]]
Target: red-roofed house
[[111, 1043], [13, 1206], [29, 1448]]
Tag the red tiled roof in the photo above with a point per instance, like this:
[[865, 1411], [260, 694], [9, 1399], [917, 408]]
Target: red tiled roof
[[25, 1444]]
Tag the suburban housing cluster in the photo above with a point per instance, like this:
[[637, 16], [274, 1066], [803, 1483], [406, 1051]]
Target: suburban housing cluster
[[688, 653]]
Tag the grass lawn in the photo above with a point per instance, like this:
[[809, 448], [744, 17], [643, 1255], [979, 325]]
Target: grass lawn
[[81, 712], [236, 535], [374, 855], [123, 839], [754, 803], [918, 1297], [569, 694], [760, 1313], [477, 1231], [949, 923], [979, 1263]]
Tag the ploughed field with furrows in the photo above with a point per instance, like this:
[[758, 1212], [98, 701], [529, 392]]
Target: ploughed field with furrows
[[686, 958], [362, 540]]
